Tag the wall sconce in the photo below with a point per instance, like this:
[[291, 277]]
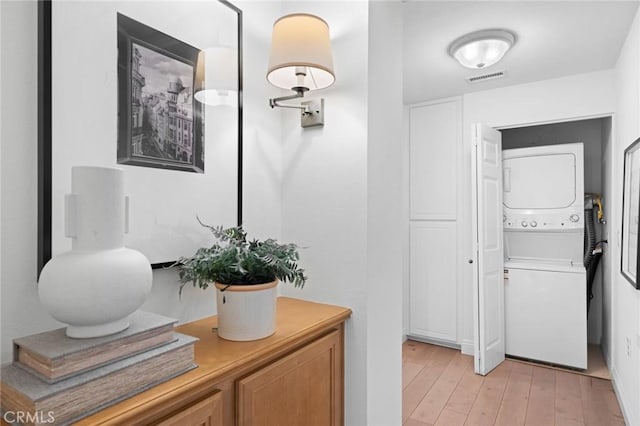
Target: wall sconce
[[301, 61], [217, 70]]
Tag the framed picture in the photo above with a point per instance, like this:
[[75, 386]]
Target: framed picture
[[631, 214], [160, 122], [118, 85]]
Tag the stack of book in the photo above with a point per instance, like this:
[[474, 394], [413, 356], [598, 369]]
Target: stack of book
[[57, 379]]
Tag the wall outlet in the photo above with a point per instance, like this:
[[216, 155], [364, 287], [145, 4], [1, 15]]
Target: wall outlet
[[628, 339]]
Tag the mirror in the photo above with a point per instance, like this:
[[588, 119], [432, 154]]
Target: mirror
[[122, 84]]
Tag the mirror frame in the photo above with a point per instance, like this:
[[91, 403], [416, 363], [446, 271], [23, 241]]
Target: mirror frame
[[626, 186]]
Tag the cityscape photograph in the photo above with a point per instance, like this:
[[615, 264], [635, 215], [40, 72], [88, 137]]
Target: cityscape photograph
[[162, 116]]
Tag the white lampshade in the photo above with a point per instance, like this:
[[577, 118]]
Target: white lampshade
[[214, 97], [481, 49], [217, 73], [300, 45]]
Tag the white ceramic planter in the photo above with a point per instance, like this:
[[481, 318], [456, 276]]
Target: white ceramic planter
[[246, 312], [96, 285]]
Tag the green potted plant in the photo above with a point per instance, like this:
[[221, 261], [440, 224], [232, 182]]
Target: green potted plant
[[246, 274]]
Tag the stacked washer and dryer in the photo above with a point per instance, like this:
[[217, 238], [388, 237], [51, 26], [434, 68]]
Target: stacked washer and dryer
[[545, 279]]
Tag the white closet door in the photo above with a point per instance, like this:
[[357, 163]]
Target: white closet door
[[489, 272], [433, 290], [433, 160]]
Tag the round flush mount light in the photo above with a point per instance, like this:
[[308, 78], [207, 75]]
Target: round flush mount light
[[481, 49]]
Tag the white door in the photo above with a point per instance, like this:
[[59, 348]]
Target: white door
[[433, 302], [488, 280]]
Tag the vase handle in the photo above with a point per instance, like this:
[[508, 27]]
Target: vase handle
[[70, 215], [126, 214]]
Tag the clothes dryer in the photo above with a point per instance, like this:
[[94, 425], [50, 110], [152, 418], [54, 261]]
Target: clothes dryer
[[543, 188]]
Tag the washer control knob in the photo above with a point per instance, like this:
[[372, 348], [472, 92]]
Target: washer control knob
[[533, 223], [574, 218], [524, 224]]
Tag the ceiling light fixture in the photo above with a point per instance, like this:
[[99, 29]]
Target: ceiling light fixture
[[481, 49]]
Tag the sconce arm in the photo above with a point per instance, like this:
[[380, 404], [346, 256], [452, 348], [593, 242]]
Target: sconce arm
[[273, 102]]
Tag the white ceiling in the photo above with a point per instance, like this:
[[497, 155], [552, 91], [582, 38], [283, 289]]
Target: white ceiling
[[554, 39]]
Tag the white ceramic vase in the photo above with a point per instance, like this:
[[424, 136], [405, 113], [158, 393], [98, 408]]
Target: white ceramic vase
[[246, 312], [96, 285]]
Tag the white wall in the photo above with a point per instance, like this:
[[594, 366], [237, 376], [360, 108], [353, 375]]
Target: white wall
[[338, 188], [339, 184], [21, 310], [607, 262], [624, 358], [385, 223], [262, 166], [406, 231], [324, 190], [1, 135], [262, 127], [562, 99]]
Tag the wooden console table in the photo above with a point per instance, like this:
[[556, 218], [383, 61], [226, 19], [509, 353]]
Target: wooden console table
[[294, 377]]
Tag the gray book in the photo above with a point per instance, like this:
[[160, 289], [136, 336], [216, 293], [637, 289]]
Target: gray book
[[79, 396], [53, 356]]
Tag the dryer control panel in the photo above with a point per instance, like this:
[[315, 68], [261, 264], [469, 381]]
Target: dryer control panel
[[542, 222]]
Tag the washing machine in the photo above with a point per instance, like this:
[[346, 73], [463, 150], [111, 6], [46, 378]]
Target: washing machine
[[545, 280], [545, 312]]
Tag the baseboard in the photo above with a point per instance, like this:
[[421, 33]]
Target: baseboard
[[606, 354], [404, 335], [437, 342], [628, 415], [466, 347]]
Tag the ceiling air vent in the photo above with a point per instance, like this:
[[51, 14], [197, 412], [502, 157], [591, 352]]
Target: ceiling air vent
[[485, 77]]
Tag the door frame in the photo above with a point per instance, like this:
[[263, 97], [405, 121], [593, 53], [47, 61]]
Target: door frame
[[611, 226]]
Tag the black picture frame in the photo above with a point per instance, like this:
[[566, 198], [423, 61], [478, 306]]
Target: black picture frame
[[45, 130], [630, 243], [133, 140]]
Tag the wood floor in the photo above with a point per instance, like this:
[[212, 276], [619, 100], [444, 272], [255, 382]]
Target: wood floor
[[440, 388]]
